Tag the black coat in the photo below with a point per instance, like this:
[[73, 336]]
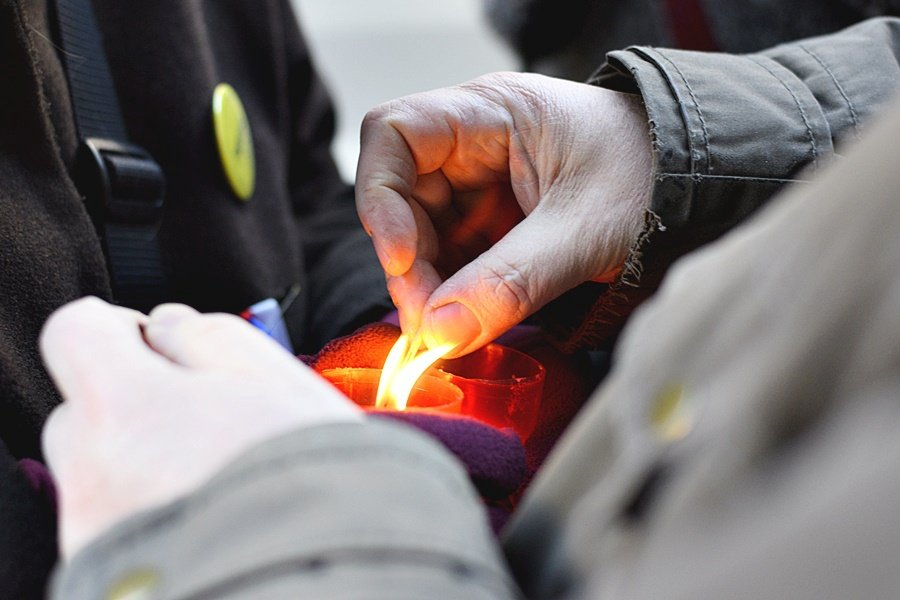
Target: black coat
[[300, 227]]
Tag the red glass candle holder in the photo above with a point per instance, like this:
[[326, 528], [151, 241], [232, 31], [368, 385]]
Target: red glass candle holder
[[432, 392], [501, 386]]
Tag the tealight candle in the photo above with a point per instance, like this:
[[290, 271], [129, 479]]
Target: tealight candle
[[430, 393], [501, 387]]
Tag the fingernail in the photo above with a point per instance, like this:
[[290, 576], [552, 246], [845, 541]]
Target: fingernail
[[384, 257], [452, 323]]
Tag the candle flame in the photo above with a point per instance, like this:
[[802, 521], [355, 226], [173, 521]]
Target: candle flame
[[388, 372], [403, 368]]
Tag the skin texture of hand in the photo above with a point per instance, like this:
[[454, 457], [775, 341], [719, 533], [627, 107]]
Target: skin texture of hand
[[487, 200], [148, 419]]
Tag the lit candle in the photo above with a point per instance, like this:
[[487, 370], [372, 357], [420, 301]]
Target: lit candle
[[403, 367], [497, 385], [501, 386], [429, 393]]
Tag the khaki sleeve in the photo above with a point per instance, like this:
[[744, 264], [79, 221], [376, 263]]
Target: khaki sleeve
[[729, 130], [364, 511]]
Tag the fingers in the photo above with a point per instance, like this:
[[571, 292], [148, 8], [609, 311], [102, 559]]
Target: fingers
[[434, 193], [217, 341], [411, 291], [385, 177], [92, 349], [522, 272], [453, 130]]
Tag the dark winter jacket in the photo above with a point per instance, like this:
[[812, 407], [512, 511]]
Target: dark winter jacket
[[299, 228]]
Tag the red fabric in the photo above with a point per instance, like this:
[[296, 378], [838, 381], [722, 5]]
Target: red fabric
[[689, 25]]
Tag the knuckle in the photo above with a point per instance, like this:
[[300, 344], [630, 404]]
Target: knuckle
[[55, 325], [66, 322], [223, 323], [491, 81], [383, 114], [510, 287], [74, 310], [210, 326], [52, 437], [373, 118]]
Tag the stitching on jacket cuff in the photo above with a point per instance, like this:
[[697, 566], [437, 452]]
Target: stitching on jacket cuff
[[697, 177], [700, 157], [763, 63], [851, 109], [723, 126]]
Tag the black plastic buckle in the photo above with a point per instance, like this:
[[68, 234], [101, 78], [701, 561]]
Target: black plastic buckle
[[121, 182]]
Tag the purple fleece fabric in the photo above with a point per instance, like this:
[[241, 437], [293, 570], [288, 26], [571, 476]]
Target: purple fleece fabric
[[497, 462], [494, 458]]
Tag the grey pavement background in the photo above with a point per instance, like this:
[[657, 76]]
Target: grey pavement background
[[370, 51]]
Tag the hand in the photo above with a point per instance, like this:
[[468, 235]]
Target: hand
[[487, 200], [145, 422]]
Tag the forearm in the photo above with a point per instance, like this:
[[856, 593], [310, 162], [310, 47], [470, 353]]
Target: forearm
[[324, 512]]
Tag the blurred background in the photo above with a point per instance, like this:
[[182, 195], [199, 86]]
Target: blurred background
[[369, 52]]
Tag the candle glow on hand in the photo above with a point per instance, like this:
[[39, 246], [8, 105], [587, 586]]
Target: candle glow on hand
[[402, 368]]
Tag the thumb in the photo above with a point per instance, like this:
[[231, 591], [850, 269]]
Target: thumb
[[525, 270]]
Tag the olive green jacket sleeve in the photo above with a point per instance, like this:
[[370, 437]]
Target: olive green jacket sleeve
[[338, 511], [728, 131]]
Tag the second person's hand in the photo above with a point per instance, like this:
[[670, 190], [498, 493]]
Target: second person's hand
[[149, 415]]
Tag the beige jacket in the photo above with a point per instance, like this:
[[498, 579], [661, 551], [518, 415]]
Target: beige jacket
[[745, 446]]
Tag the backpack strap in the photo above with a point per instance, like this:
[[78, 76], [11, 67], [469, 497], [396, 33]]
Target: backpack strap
[[123, 186]]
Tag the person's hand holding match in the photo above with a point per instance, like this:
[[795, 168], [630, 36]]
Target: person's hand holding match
[[487, 200]]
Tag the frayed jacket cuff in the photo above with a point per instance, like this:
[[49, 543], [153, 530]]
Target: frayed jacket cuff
[[727, 131]]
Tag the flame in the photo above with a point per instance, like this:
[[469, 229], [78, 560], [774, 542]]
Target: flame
[[389, 371], [403, 367]]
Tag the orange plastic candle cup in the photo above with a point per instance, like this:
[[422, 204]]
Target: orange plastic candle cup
[[432, 393], [501, 387]]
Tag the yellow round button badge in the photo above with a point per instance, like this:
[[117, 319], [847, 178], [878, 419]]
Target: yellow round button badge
[[234, 140]]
